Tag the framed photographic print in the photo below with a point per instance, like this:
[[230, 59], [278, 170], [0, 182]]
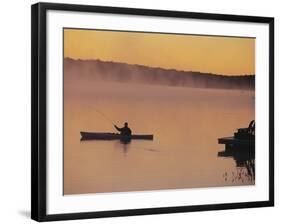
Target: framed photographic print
[[140, 111]]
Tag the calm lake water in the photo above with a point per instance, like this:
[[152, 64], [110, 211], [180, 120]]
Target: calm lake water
[[186, 123]]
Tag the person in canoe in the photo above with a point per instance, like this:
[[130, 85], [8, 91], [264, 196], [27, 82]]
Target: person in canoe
[[125, 130]]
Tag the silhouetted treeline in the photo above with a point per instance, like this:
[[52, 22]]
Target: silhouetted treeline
[[122, 72]]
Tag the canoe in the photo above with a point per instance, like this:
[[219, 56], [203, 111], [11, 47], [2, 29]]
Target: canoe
[[112, 136]]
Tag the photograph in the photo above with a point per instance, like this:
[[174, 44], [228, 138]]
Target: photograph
[[149, 111]]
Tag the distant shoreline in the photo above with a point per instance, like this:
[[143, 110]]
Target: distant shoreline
[[122, 72]]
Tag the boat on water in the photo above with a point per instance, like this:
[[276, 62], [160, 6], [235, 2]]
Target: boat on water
[[244, 138], [113, 136], [241, 148]]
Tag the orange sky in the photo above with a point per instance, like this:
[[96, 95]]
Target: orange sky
[[220, 55]]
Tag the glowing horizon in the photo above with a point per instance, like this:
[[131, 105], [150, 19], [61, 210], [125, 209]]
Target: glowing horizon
[[207, 54]]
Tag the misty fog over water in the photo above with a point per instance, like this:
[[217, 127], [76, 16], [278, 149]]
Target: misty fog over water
[[128, 73]]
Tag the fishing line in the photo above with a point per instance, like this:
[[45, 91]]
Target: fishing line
[[104, 116]]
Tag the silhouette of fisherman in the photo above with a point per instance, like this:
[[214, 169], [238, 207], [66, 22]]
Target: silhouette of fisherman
[[125, 130]]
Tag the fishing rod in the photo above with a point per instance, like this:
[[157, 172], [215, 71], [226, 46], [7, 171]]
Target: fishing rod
[[104, 116]]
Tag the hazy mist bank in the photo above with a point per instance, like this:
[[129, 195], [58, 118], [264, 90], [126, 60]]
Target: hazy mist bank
[[122, 72]]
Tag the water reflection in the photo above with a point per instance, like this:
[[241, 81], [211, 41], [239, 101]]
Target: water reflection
[[181, 120], [245, 163], [125, 145]]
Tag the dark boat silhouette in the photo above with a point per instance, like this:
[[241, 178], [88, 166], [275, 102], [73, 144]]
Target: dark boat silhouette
[[244, 138], [241, 148], [113, 136]]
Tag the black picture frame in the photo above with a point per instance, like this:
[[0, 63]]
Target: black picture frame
[[38, 110]]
